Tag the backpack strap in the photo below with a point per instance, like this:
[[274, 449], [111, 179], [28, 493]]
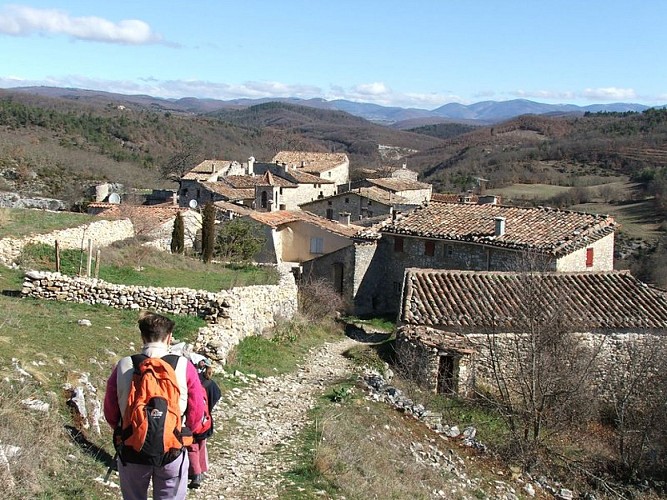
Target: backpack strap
[[172, 359], [136, 361]]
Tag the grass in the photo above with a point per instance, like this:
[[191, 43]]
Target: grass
[[290, 344], [137, 265], [17, 223], [44, 339], [358, 449]]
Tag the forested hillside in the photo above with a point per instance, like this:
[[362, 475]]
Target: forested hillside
[[550, 149], [56, 147]]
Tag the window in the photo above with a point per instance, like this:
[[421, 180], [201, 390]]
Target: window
[[370, 202], [316, 245], [329, 174], [329, 203], [429, 248], [264, 200], [398, 244], [330, 213], [347, 200], [449, 251], [589, 257]]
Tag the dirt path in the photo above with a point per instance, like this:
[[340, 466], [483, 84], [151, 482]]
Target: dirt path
[[261, 419]]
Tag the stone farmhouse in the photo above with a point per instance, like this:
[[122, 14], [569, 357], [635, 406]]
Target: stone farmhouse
[[360, 203], [412, 191], [447, 319], [334, 167], [479, 237]]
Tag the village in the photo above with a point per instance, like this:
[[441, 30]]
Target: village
[[450, 268]]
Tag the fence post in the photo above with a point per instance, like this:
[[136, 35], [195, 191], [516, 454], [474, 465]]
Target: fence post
[[57, 256], [90, 257], [97, 263]]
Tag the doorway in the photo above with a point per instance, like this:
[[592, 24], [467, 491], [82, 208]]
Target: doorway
[[448, 367]]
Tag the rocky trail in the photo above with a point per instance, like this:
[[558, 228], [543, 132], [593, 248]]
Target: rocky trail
[[264, 416]]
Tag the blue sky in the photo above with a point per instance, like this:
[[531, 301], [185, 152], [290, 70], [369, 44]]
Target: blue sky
[[423, 53]]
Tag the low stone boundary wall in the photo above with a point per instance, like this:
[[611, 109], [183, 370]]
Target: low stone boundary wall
[[102, 233], [233, 314]]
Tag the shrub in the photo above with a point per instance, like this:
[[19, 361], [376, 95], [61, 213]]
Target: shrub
[[319, 300]]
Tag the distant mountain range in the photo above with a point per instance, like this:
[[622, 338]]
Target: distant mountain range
[[482, 113]]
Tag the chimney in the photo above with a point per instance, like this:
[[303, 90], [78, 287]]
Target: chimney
[[344, 218], [213, 168], [174, 198], [500, 226], [251, 165]]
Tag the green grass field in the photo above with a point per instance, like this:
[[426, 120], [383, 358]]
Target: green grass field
[[17, 223]]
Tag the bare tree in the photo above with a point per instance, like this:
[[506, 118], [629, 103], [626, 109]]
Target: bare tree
[[637, 390], [540, 376]]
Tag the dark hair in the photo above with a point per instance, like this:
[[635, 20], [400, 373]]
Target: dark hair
[[207, 373], [154, 327]]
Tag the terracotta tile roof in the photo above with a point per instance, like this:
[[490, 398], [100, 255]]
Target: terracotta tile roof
[[453, 197], [310, 161], [301, 177], [442, 340], [233, 207], [372, 193], [229, 192], [590, 300], [393, 184], [241, 181], [546, 230], [269, 179], [154, 215], [282, 217], [206, 169]]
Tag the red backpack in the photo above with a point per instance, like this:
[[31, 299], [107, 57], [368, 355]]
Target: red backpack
[[151, 430]]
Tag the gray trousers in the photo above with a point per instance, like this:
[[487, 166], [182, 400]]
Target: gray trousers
[[169, 482]]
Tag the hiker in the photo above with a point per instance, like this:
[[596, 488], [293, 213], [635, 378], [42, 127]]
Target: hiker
[[168, 463], [197, 452]]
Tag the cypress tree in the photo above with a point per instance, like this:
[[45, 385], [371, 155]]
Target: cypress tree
[[208, 232], [178, 235]]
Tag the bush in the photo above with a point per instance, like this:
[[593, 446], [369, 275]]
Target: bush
[[319, 300]]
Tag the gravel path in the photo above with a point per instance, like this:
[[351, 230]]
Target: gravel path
[[265, 416]]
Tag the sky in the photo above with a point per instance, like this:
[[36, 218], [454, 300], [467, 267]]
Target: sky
[[418, 53]]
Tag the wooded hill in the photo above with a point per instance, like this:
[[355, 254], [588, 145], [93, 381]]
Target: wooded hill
[[56, 146]]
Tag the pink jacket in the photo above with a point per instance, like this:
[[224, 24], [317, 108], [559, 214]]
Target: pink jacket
[[118, 387]]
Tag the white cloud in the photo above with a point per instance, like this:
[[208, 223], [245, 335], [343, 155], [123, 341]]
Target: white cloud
[[19, 20], [371, 89], [609, 94]]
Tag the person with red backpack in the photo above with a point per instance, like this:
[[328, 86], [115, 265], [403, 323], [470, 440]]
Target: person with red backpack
[[154, 402], [197, 452]]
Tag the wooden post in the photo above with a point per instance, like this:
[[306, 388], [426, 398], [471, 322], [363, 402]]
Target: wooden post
[[97, 263], [90, 257], [57, 256]]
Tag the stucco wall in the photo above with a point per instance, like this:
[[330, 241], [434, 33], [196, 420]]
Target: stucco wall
[[603, 257], [295, 240]]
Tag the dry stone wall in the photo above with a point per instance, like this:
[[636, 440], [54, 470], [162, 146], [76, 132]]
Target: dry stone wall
[[102, 233], [232, 314]]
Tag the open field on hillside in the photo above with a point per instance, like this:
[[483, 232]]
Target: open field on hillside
[[637, 219], [17, 223]]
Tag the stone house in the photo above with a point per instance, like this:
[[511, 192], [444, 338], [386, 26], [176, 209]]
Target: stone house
[[334, 167], [412, 191], [447, 319], [360, 203], [296, 236], [263, 186], [466, 237]]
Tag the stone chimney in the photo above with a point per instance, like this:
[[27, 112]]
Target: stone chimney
[[500, 226], [344, 218], [174, 198], [251, 165]]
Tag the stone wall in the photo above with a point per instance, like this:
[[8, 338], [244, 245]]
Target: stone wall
[[232, 314], [102, 232], [475, 371]]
